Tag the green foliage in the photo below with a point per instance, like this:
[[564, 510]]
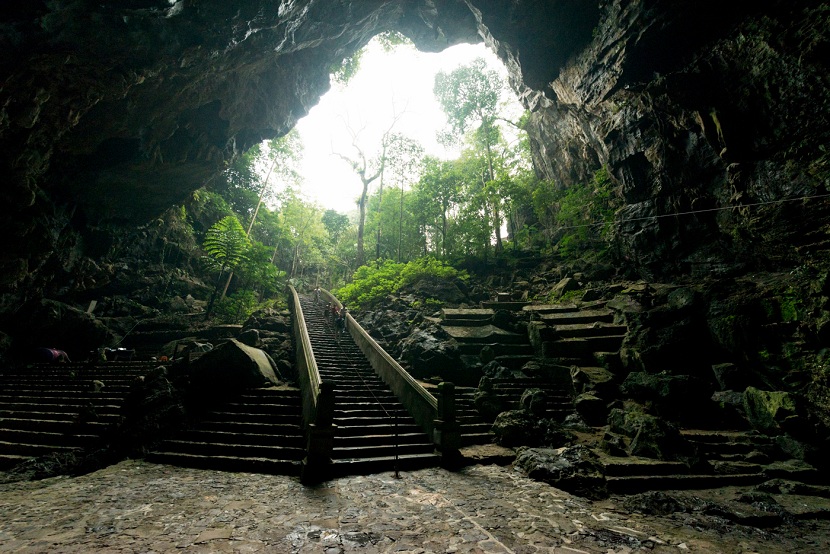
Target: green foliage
[[569, 297], [226, 244], [373, 282], [392, 39], [237, 307], [792, 307], [584, 215], [348, 68], [469, 95]]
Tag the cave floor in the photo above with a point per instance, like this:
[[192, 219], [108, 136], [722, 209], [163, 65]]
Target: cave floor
[[136, 506]]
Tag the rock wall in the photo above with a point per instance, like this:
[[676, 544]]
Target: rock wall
[[110, 113], [705, 107]]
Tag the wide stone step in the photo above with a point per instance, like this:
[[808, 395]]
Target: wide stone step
[[541, 309], [639, 483], [47, 438], [61, 396], [724, 436], [585, 347], [227, 463], [25, 450], [268, 418], [465, 322], [512, 306], [580, 317], [54, 416], [484, 334], [634, 465], [384, 439], [120, 383], [277, 409], [8, 461], [499, 349], [380, 450], [378, 464], [51, 425], [239, 450], [467, 313], [344, 429], [470, 439], [376, 413], [289, 436], [254, 428], [596, 329], [34, 406]]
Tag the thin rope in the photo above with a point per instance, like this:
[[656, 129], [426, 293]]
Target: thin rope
[[692, 212]]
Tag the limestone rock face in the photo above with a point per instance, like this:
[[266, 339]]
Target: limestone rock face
[[694, 106]]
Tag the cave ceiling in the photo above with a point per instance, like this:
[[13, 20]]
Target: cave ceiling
[[113, 111]]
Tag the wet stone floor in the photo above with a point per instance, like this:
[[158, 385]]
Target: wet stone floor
[[141, 507]]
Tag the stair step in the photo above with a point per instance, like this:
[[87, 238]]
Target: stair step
[[29, 450], [227, 463], [233, 450], [579, 317], [21, 436], [596, 329], [383, 439], [8, 461], [639, 483]]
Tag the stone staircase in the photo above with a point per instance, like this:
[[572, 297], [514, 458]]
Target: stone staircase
[[258, 430], [373, 431], [53, 408], [473, 330], [474, 429], [733, 458], [575, 336]]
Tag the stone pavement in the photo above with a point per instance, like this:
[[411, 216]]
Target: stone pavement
[[136, 506]]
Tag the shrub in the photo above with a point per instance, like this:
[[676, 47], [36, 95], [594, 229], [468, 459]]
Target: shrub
[[372, 282]]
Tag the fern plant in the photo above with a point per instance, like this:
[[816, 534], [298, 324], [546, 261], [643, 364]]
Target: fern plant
[[226, 245]]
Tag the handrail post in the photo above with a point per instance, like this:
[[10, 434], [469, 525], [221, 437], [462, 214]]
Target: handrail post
[[447, 434], [317, 465]]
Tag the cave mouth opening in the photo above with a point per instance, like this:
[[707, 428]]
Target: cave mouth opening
[[392, 89]]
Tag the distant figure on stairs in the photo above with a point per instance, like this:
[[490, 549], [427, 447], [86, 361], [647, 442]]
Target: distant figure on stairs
[[340, 325], [316, 295], [52, 355]]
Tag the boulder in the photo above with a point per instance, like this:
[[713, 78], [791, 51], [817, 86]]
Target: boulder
[[651, 437], [233, 366], [596, 380], [592, 408], [731, 377], [250, 337], [564, 286], [516, 428], [770, 412], [575, 469], [728, 409], [269, 320], [673, 396], [535, 402], [653, 503], [53, 324], [429, 352], [614, 445]]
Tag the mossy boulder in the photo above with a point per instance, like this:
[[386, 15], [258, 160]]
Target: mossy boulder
[[771, 412]]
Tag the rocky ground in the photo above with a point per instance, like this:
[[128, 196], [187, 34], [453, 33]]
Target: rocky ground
[[140, 507]]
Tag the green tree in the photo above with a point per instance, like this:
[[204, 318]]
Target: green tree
[[470, 97], [369, 168]]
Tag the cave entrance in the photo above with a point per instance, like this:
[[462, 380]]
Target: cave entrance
[[391, 90]]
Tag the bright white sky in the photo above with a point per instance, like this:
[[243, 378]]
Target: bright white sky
[[386, 82]]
